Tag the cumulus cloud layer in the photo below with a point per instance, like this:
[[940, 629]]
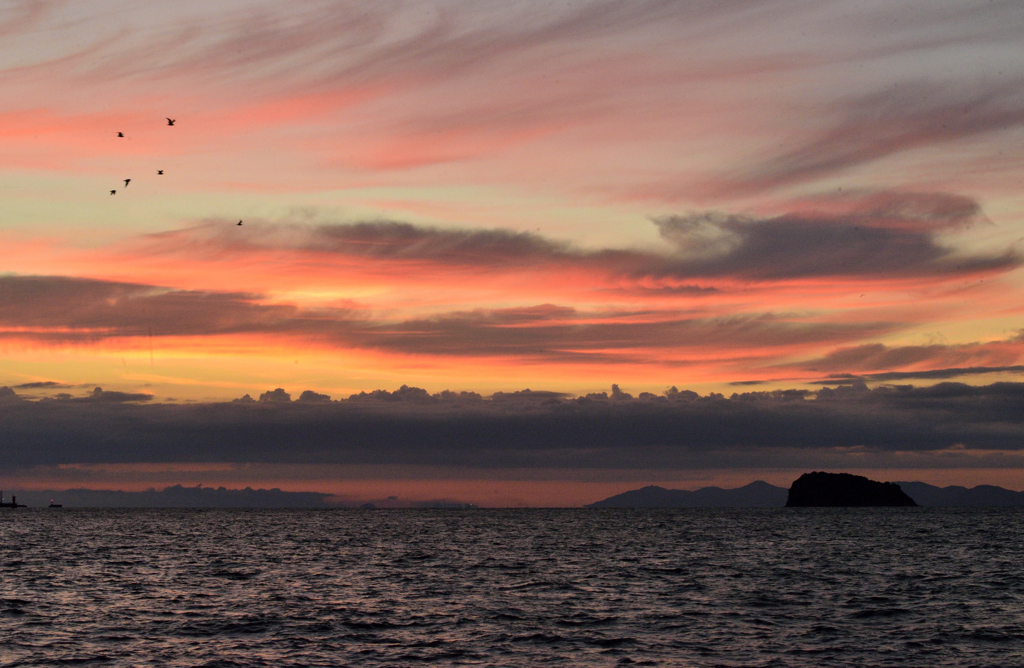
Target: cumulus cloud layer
[[524, 429]]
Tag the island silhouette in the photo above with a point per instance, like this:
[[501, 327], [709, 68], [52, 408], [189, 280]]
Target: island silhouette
[[834, 490]]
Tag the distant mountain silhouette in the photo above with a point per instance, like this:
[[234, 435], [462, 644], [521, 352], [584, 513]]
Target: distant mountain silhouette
[[177, 497], [841, 490], [757, 494], [982, 495], [763, 495]]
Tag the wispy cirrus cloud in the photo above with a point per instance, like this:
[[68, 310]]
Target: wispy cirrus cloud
[[21, 15], [56, 310], [877, 356], [381, 88], [66, 309], [568, 335], [41, 385], [351, 43], [929, 374], [874, 126]]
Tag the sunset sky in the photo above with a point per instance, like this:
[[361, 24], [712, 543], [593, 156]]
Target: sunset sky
[[484, 197]]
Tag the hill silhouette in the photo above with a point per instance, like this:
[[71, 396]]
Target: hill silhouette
[[834, 490], [758, 494], [177, 496], [956, 496]]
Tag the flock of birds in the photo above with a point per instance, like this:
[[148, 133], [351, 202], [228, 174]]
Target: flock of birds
[[159, 172]]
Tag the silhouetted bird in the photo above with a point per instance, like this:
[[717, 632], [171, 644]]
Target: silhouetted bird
[[160, 172], [120, 134], [113, 192], [170, 121], [126, 182], [239, 222]]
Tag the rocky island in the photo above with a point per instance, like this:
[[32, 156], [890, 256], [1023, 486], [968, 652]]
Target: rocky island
[[820, 489]]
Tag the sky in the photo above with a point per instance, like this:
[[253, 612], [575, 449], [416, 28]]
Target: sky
[[787, 233]]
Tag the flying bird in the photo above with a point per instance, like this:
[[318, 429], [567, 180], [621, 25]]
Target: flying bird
[[126, 182], [170, 121], [113, 192], [120, 134], [159, 172]]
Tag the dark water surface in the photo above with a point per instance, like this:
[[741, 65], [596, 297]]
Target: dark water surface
[[778, 587]]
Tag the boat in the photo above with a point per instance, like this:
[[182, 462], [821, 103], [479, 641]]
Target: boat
[[55, 505]]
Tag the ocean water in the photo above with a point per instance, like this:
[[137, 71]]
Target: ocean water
[[702, 587]]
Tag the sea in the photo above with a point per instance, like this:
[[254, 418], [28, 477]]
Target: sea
[[482, 587]]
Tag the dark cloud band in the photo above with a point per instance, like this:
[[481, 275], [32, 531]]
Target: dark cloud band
[[870, 236], [522, 430]]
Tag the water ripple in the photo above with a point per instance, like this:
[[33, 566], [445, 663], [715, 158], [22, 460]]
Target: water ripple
[[778, 587]]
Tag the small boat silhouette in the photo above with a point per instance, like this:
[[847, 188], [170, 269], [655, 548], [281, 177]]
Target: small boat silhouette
[[55, 505]]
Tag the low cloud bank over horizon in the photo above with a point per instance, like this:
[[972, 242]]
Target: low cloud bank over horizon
[[947, 425]]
